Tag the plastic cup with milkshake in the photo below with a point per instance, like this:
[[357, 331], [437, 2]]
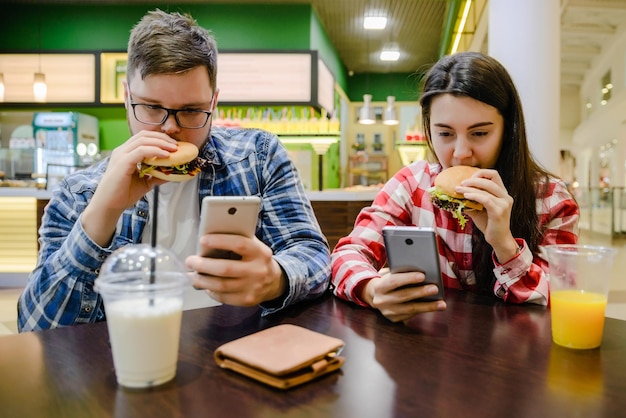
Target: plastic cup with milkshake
[[142, 290]]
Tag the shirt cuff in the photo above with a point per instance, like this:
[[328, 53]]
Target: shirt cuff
[[515, 267]]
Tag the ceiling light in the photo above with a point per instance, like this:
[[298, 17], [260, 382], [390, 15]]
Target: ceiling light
[[366, 114], [375, 22], [389, 55], [390, 52], [390, 117]]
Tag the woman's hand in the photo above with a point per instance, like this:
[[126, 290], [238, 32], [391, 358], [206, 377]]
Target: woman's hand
[[486, 187], [397, 296]]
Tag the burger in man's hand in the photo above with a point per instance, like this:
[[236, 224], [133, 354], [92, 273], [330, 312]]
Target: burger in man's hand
[[181, 165], [444, 194]]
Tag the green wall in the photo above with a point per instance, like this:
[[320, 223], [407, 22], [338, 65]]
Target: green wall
[[321, 42], [405, 87], [106, 27]]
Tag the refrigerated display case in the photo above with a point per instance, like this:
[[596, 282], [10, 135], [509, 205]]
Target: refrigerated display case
[[65, 139]]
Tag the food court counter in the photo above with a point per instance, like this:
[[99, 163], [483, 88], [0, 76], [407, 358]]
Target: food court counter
[[21, 210], [337, 209]]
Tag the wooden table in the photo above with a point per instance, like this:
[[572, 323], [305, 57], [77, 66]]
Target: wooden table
[[480, 358]]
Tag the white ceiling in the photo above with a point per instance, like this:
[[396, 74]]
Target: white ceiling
[[586, 26]]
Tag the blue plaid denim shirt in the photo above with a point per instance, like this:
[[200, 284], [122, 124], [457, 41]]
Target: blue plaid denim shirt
[[60, 292]]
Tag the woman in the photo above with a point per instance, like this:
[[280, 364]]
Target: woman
[[472, 116]]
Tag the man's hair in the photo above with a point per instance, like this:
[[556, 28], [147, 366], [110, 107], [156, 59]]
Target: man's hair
[[170, 43]]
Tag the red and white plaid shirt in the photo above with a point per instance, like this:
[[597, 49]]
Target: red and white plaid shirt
[[405, 200]]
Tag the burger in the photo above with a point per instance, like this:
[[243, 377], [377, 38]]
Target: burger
[[443, 194], [181, 165]]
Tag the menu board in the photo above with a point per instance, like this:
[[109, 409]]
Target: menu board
[[69, 78], [298, 78], [112, 75], [264, 77]]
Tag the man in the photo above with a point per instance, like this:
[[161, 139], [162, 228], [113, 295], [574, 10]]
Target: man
[[170, 96]]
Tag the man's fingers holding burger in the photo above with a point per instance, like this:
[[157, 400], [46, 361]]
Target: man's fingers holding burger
[[180, 165], [143, 145]]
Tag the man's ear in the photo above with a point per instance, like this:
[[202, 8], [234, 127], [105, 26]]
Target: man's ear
[[215, 100], [126, 96]]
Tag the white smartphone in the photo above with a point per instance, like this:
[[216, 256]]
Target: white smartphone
[[414, 248], [237, 215]]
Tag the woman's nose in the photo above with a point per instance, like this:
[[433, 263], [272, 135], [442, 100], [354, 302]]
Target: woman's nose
[[462, 148]]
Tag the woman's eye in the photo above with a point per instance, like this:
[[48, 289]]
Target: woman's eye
[[481, 133]]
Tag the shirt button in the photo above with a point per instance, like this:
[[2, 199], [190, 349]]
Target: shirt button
[[97, 271], [141, 213], [87, 309]]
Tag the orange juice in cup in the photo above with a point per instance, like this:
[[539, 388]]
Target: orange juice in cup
[[579, 285], [577, 318]]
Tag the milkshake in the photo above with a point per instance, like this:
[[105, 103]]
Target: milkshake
[[142, 290], [144, 339]]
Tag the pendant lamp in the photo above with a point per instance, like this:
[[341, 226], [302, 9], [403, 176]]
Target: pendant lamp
[[40, 89], [366, 114], [390, 116]]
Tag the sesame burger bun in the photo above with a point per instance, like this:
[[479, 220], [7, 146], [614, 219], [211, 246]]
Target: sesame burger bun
[[451, 177], [181, 165], [447, 181], [186, 152]]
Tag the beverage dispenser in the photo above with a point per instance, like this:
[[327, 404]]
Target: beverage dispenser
[[65, 141]]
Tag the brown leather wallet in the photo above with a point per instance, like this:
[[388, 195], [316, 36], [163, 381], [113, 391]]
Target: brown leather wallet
[[282, 356]]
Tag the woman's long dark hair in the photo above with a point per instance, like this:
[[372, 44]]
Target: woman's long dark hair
[[483, 78]]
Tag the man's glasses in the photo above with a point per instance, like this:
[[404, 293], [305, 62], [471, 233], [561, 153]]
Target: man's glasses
[[157, 115]]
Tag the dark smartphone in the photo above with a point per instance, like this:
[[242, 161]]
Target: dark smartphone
[[236, 215], [414, 248]]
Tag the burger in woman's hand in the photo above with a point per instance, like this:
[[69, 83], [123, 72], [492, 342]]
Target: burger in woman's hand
[[181, 165], [444, 194]]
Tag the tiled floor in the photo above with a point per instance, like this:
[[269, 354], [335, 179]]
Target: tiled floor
[[616, 307]]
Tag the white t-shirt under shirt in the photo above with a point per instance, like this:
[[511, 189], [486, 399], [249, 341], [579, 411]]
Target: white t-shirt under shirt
[[178, 217], [178, 221]]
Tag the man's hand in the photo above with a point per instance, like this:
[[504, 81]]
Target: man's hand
[[120, 186], [254, 279]]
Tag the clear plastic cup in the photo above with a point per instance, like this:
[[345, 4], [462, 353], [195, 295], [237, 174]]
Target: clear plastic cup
[[142, 290], [580, 276]]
